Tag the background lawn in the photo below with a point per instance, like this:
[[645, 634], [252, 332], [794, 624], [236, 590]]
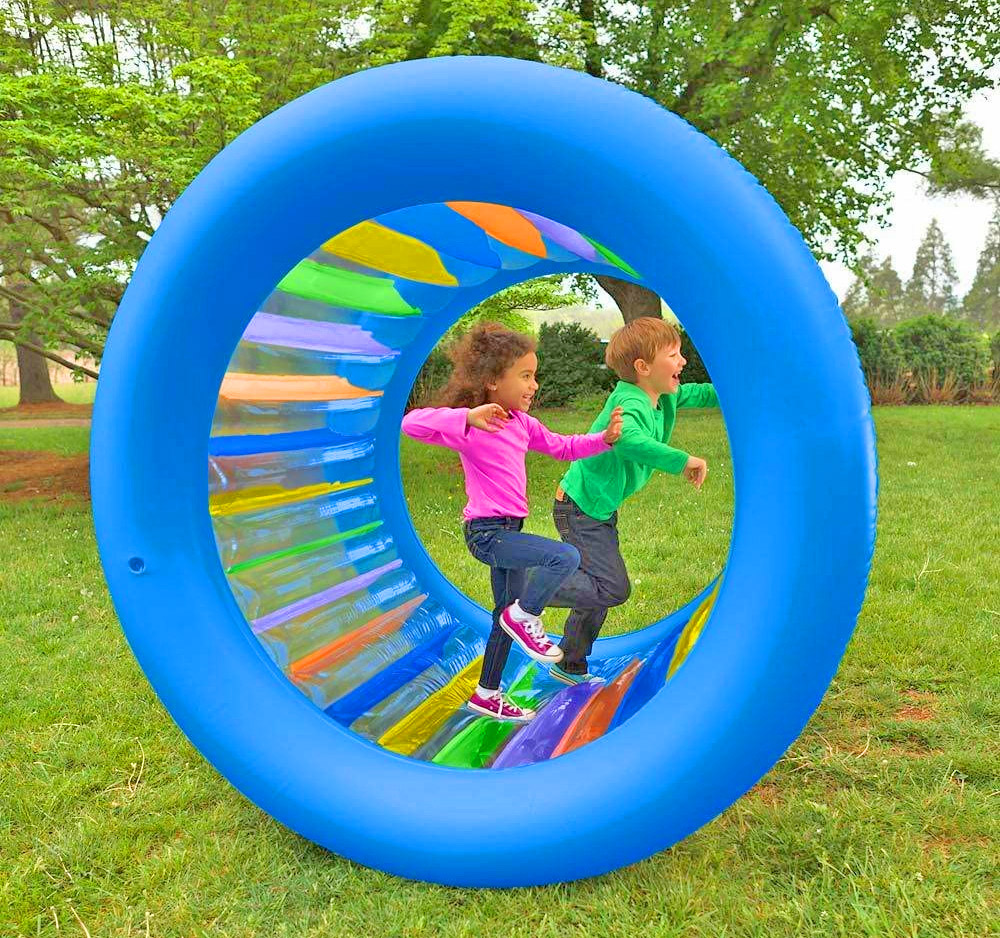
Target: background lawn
[[72, 393], [881, 820]]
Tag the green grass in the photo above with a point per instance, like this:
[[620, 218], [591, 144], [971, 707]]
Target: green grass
[[71, 392], [882, 819], [62, 440]]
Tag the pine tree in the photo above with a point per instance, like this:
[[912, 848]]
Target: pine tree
[[877, 293], [932, 286], [981, 307]]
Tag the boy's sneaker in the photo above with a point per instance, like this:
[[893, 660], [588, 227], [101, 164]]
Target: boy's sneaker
[[570, 677], [529, 634], [498, 707]]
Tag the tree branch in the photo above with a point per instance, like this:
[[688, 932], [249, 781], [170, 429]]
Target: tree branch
[[52, 356]]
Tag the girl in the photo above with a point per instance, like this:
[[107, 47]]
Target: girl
[[485, 419]]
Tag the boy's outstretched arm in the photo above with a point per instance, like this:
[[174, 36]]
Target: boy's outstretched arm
[[639, 446], [697, 395]]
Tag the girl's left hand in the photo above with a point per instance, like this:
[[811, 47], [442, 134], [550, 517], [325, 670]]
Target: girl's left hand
[[614, 429]]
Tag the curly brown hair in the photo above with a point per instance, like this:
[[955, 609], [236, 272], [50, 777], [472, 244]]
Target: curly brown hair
[[480, 357]]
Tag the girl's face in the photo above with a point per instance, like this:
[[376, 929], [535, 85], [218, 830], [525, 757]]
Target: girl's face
[[515, 388]]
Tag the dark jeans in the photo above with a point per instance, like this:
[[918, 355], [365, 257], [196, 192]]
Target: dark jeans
[[600, 582], [499, 543]]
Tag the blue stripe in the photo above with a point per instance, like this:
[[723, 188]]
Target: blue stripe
[[360, 700]]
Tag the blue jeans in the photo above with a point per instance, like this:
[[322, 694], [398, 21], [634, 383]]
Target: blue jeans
[[499, 543]]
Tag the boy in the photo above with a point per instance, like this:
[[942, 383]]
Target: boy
[[646, 356]]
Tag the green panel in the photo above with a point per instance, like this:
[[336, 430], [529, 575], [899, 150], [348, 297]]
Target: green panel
[[614, 258], [345, 288], [475, 745], [304, 548]]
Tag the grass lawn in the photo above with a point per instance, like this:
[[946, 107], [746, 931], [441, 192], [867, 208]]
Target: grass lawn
[[71, 392], [881, 820]]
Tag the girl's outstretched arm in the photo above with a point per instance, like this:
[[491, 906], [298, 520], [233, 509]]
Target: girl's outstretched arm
[[439, 426], [579, 446]]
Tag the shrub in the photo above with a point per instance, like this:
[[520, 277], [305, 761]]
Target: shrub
[[889, 389], [570, 364], [942, 346], [995, 354], [881, 360], [930, 389]]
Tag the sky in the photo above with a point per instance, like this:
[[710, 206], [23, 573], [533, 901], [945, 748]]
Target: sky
[[963, 219]]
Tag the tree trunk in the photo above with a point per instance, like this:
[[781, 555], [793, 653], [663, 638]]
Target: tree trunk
[[633, 301], [33, 369]]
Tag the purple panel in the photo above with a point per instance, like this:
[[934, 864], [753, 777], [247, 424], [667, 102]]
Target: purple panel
[[563, 236], [537, 740], [270, 329], [321, 599]]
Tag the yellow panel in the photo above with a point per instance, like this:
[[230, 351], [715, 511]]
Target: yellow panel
[[424, 721], [381, 248], [250, 387], [692, 630], [269, 496]]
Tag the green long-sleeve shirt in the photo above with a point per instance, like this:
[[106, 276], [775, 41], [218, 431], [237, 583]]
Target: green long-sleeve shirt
[[599, 484]]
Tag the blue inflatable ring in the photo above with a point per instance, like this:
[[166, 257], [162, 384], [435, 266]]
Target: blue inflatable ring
[[706, 237]]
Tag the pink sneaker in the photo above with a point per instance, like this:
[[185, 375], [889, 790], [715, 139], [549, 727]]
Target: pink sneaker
[[531, 637], [498, 707]]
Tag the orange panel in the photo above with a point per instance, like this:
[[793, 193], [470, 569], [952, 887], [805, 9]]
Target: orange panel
[[503, 223], [249, 387], [596, 717], [347, 645]]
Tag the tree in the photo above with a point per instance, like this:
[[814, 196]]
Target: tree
[[931, 287], [108, 110], [506, 307], [106, 113], [34, 383], [981, 306], [876, 294], [959, 164], [820, 101]]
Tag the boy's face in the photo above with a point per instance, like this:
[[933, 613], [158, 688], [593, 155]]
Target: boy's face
[[663, 374]]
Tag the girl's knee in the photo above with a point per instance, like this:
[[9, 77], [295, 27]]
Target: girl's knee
[[568, 557]]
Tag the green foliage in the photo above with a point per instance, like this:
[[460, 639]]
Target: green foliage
[[876, 294], [507, 308], [931, 287], [108, 110], [936, 344], [981, 306], [959, 163], [816, 100], [107, 115], [877, 348], [995, 354], [570, 364]]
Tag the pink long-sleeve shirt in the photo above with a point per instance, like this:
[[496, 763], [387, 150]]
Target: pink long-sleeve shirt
[[495, 478]]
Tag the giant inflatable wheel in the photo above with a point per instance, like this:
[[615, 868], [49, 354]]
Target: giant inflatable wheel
[[283, 608]]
